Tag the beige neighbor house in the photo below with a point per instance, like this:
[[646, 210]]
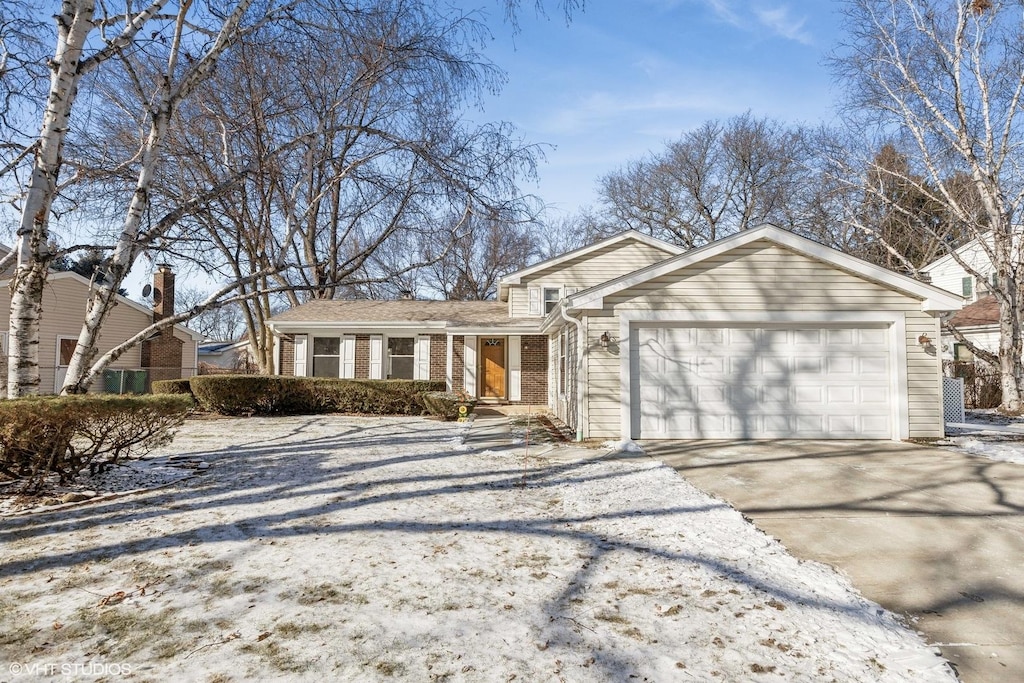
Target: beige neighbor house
[[167, 355], [760, 335]]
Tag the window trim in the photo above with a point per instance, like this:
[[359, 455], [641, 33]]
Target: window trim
[[391, 356], [967, 286], [316, 355], [544, 301]]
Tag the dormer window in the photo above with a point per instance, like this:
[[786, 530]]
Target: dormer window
[[552, 295]]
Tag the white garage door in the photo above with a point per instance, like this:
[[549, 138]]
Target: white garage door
[[761, 383]]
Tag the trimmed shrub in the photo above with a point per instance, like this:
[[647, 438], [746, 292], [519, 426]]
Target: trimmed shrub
[[66, 434], [445, 404], [276, 395], [172, 386], [255, 395]]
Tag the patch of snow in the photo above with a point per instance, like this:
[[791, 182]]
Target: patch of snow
[[993, 445], [342, 548], [624, 446]]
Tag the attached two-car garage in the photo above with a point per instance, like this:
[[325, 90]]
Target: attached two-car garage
[[758, 382], [761, 335]]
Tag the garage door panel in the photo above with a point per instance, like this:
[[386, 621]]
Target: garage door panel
[[763, 383], [872, 337]]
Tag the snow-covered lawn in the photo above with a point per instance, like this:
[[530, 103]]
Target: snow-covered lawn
[[340, 548]]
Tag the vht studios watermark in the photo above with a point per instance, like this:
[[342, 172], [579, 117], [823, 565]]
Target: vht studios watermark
[[69, 669]]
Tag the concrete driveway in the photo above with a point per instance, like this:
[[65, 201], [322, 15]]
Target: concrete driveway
[[935, 535]]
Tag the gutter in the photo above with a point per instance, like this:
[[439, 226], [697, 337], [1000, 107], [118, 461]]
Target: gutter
[[578, 379]]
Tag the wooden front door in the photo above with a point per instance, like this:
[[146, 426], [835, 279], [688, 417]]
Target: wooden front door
[[492, 355]]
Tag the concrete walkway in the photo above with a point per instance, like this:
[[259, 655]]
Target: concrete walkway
[[489, 431], [932, 534]]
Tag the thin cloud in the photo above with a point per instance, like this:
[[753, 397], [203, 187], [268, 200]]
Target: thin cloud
[[780, 21]]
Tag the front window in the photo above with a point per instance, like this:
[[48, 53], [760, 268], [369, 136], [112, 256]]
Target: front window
[[401, 357], [968, 286], [326, 357], [551, 297]]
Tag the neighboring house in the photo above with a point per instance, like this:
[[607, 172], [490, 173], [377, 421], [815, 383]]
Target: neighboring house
[[948, 274], [763, 334], [167, 355], [979, 320], [225, 355]]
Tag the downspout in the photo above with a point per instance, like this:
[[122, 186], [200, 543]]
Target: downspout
[[578, 379]]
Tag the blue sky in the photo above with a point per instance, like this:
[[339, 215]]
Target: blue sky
[[626, 76]]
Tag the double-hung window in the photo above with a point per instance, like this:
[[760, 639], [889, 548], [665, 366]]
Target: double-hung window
[[401, 357], [326, 357], [552, 295]]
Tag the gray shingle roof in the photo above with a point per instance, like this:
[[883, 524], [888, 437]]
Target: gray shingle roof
[[405, 310]]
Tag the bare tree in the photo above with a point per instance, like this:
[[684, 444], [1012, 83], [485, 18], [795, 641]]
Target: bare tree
[[947, 76], [715, 180], [226, 323], [488, 249], [357, 134]]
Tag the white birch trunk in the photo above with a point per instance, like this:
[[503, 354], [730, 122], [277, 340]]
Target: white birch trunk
[[74, 24], [82, 370]]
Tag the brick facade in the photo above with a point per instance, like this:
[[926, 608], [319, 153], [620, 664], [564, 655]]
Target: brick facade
[[534, 366], [458, 363], [438, 357], [286, 363], [362, 356]]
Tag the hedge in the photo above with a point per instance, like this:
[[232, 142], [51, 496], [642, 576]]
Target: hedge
[[276, 395], [172, 386], [66, 434]]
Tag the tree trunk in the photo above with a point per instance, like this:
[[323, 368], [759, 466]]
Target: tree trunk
[[1011, 348], [74, 24], [26, 311]]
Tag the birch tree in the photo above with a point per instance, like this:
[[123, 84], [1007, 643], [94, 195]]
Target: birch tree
[[946, 78], [76, 26]]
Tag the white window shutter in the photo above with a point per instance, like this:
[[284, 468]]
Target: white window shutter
[[376, 356], [534, 293], [515, 368], [422, 359], [469, 356], [348, 356], [300, 355]]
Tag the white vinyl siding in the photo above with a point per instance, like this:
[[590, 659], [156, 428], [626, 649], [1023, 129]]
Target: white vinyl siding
[[763, 277], [584, 272]]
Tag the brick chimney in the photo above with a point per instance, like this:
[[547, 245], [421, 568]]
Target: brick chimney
[[162, 352], [163, 292]]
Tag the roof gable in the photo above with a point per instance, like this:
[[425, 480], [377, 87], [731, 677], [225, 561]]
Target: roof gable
[[932, 298], [85, 285], [621, 238]]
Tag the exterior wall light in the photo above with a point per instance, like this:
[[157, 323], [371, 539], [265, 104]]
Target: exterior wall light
[[605, 340]]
